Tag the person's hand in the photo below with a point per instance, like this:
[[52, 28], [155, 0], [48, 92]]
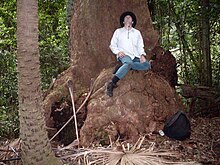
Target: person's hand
[[142, 59], [121, 54]]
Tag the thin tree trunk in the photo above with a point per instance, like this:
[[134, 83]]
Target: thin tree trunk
[[218, 78], [186, 75], [160, 28], [169, 23], [201, 75], [36, 148], [69, 9], [206, 43], [151, 7], [182, 36]]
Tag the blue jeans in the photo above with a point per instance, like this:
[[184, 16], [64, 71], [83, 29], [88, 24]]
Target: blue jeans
[[128, 64]]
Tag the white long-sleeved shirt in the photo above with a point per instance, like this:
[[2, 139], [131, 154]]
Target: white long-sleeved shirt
[[128, 41]]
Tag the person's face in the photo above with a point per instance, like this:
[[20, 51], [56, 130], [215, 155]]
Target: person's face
[[128, 20]]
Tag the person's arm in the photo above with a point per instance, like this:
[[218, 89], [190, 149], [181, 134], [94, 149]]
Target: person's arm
[[141, 48], [114, 43], [141, 45]]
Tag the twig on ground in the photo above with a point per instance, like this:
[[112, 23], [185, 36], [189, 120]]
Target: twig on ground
[[70, 86], [212, 147]]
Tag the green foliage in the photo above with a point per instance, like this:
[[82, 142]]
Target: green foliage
[[9, 121], [53, 43], [8, 77], [177, 19], [173, 19], [8, 96], [8, 25], [53, 39]]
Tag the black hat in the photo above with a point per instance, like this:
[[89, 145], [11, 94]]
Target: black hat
[[132, 16]]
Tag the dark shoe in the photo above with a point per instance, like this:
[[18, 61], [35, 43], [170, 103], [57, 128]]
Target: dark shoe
[[110, 88]]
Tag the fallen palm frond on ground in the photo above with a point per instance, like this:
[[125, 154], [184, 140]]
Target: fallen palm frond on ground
[[202, 147], [119, 155], [10, 152]]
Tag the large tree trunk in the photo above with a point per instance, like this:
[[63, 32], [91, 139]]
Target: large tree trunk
[[35, 144], [140, 105], [92, 26]]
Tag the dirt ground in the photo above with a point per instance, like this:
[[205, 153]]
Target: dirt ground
[[202, 147]]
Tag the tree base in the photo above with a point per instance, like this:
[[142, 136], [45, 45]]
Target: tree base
[[140, 104]]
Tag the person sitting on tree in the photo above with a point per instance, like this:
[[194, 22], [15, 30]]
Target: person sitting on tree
[[128, 46]]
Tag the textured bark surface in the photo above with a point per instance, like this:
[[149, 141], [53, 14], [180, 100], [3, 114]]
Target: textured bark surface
[[35, 144], [57, 92], [206, 97], [90, 34], [140, 104], [93, 24], [206, 76], [165, 65]]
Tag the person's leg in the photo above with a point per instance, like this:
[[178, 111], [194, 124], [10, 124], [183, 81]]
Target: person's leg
[[136, 65], [126, 66], [121, 72], [118, 65]]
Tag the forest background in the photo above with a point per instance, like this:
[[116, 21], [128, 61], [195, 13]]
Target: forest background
[[190, 31]]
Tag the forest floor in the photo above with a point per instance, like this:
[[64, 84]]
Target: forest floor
[[202, 147]]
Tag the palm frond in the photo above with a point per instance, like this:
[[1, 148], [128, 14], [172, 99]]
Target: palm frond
[[125, 154]]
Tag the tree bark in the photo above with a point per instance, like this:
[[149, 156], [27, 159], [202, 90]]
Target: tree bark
[[201, 92], [93, 24], [207, 77], [69, 9], [204, 100], [36, 148], [140, 105], [180, 32]]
